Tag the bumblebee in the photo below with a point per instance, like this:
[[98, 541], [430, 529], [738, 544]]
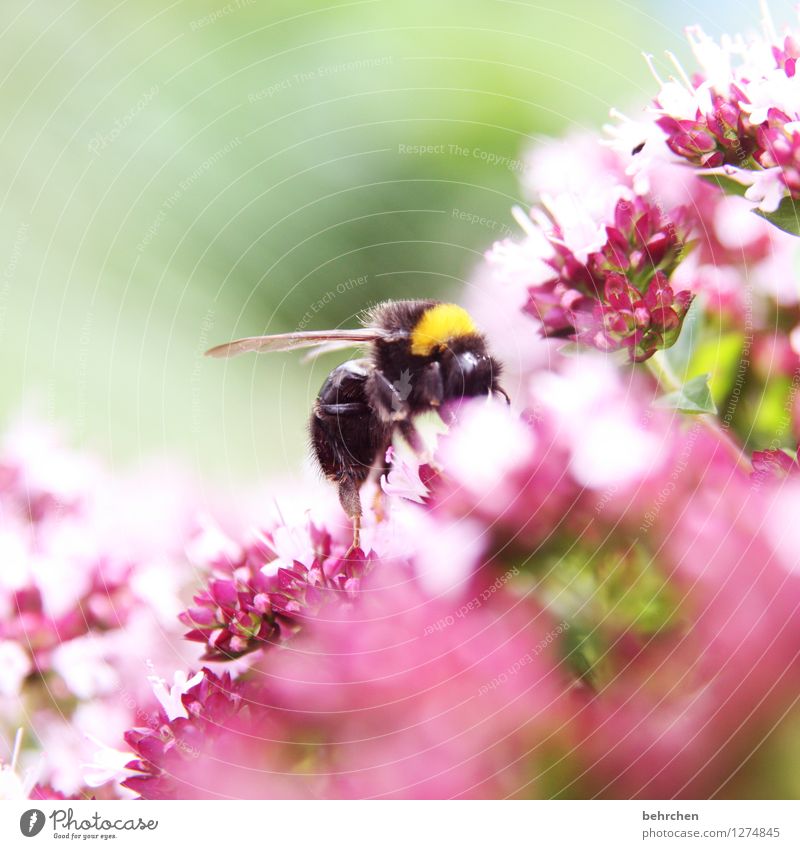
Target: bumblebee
[[420, 356]]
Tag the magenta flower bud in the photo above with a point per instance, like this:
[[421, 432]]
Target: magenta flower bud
[[572, 299], [287, 578], [617, 292], [641, 315], [664, 319], [727, 112], [700, 142], [722, 136], [615, 323], [659, 292], [617, 248], [712, 160], [224, 593], [198, 616], [656, 249], [261, 603], [237, 645], [776, 118], [682, 302], [773, 464], [623, 219], [669, 125], [643, 224]]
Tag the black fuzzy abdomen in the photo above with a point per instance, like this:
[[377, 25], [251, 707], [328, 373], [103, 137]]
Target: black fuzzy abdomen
[[346, 434]]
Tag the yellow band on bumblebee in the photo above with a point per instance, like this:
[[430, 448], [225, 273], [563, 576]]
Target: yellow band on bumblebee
[[438, 326]]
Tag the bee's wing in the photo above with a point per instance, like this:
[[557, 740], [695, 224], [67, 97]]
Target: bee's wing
[[293, 341], [326, 348]]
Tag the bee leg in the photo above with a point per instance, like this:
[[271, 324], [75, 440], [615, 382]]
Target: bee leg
[[411, 436], [498, 390], [430, 386], [378, 505], [390, 399], [393, 398], [350, 499]]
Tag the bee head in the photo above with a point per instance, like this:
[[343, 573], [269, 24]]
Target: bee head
[[468, 370], [447, 333]]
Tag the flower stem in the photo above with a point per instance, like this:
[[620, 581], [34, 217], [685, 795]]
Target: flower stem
[[666, 378]]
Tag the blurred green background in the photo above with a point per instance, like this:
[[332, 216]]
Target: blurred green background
[[177, 175]]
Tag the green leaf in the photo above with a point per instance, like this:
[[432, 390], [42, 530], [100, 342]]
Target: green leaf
[[786, 217], [584, 652], [680, 354], [573, 349], [730, 187], [693, 397], [600, 592], [719, 356], [771, 403]]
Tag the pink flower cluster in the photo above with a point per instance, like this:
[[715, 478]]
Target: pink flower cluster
[[634, 603], [623, 234], [589, 593], [739, 113], [92, 566], [602, 281], [582, 580], [255, 601], [382, 698]]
